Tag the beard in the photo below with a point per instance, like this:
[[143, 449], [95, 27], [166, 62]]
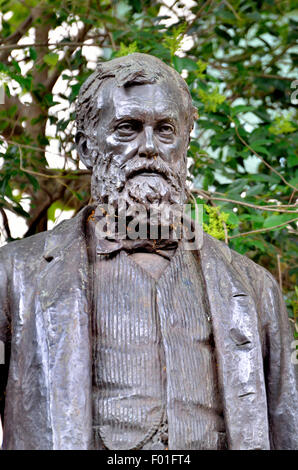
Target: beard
[[141, 187], [139, 181]]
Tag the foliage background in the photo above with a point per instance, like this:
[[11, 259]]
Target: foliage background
[[239, 58]]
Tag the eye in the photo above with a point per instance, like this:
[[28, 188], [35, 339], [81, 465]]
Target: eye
[[127, 128], [166, 129]]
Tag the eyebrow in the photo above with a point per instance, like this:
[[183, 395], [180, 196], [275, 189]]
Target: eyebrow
[[137, 115]]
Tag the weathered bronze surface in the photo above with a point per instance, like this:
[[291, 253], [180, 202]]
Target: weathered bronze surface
[[141, 344]]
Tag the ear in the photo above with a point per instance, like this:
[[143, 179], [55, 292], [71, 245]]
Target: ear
[[84, 149]]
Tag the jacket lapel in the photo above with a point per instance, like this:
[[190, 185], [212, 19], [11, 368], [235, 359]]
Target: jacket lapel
[[64, 302], [238, 346]]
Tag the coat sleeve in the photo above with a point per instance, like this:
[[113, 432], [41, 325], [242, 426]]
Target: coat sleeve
[[280, 370]]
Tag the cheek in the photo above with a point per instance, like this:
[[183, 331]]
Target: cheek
[[174, 151], [121, 150]]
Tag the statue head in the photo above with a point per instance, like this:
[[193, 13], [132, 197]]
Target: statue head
[[134, 118]]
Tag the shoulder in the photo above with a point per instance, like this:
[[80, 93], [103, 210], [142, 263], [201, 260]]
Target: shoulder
[[30, 250], [258, 282], [254, 275], [23, 249]]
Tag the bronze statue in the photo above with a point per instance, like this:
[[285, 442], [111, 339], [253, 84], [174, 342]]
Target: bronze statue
[[125, 343]]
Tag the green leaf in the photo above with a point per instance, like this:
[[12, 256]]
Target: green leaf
[[32, 53], [242, 109], [51, 59], [259, 244], [294, 181], [257, 189], [277, 220], [25, 82], [209, 125], [233, 218], [181, 63], [259, 142], [20, 211], [52, 209], [33, 181], [222, 33], [260, 149], [125, 50], [292, 161]]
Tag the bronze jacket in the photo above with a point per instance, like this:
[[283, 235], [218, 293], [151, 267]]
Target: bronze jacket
[[44, 313]]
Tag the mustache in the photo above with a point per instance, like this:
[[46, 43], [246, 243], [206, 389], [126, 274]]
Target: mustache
[[136, 166]]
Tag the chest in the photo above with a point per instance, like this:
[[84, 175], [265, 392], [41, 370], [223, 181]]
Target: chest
[[152, 348]]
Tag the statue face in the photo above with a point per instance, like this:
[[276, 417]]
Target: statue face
[[142, 140], [143, 121]]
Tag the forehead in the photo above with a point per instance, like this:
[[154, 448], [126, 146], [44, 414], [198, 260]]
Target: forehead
[[158, 101]]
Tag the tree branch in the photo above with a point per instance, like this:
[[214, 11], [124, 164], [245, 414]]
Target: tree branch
[[16, 36], [207, 195], [45, 175], [232, 10], [268, 229], [57, 45], [274, 77]]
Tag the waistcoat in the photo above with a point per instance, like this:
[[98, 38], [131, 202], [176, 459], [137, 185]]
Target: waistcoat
[[153, 356]]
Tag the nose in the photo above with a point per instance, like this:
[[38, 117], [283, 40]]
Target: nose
[[147, 147]]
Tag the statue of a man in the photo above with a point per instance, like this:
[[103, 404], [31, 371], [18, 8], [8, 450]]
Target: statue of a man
[[139, 343]]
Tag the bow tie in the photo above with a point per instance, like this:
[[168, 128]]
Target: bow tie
[[164, 248]]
